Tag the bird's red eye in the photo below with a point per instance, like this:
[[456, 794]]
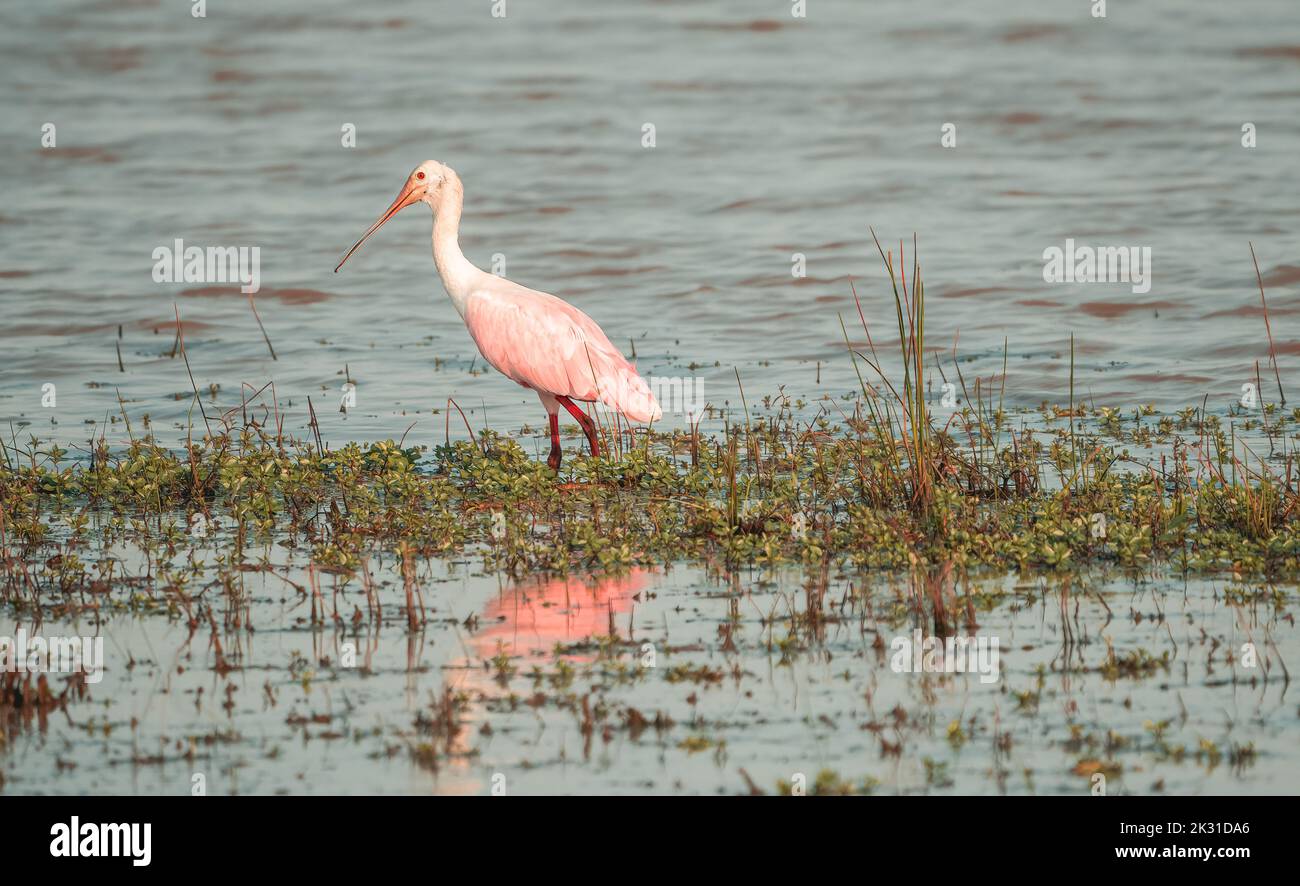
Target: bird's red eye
[[419, 175]]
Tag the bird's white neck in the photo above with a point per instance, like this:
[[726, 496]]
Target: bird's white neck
[[456, 271]]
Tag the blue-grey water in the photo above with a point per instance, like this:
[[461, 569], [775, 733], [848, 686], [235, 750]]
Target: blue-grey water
[[774, 137]]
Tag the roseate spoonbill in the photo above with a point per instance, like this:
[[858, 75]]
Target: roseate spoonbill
[[534, 338]]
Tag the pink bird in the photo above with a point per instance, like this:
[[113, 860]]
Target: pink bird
[[534, 338]]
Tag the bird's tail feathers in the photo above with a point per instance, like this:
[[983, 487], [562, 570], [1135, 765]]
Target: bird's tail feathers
[[629, 394]]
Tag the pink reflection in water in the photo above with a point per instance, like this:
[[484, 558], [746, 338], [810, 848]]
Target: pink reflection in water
[[538, 613]]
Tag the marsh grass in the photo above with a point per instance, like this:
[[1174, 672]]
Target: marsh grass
[[884, 486]]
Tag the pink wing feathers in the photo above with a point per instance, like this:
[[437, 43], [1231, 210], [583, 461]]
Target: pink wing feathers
[[549, 345]]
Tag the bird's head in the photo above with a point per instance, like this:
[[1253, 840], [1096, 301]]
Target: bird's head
[[429, 183]]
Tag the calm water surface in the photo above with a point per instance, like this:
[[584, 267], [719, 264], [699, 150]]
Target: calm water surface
[[740, 685], [773, 136]]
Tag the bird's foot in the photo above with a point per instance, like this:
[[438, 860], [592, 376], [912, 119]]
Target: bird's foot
[[553, 460]]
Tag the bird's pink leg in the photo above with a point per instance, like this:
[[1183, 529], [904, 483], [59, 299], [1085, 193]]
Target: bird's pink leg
[[588, 426], [554, 458]]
